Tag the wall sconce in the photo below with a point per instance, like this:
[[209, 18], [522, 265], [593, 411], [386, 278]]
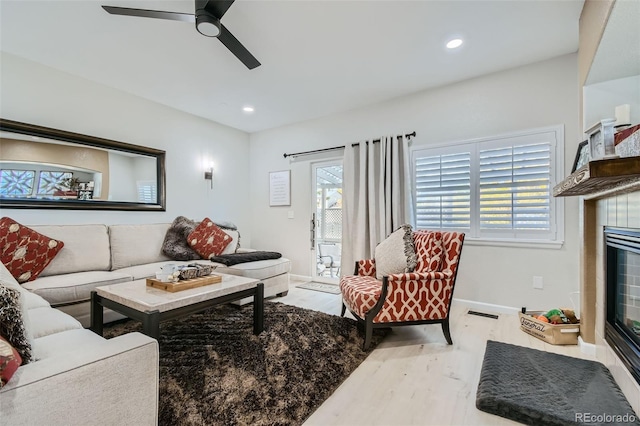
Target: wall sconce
[[208, 174]]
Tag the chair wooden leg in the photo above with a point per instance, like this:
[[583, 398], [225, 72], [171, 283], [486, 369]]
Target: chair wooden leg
[[344, 309], [368, 334], [446, 331]]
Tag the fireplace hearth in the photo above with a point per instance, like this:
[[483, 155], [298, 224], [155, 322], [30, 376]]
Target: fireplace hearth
[[622, 327]]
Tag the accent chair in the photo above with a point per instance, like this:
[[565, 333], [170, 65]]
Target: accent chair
[[419, 297]]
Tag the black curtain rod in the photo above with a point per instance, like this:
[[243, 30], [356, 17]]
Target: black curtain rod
[[315, 151]]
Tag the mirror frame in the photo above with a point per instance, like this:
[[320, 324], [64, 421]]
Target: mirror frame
[[92, 141]]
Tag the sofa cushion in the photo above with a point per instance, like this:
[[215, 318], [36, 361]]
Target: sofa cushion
[[258, 270], [137, 244], [47, 321], [208, 239], [73, 288], [32, 301], [86, 248], [67, 341], [11, 324], [9, 361], [25, 252], [396, 255]]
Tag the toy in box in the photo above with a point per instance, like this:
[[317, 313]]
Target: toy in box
[[557, 326]]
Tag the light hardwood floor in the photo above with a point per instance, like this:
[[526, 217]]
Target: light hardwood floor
[[413, 377]]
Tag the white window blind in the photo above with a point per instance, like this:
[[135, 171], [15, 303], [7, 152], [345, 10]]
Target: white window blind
[[443, 191], [494, 188], [147, 192], [515, 184]]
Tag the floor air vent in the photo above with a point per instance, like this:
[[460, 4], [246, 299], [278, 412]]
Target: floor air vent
[[482, 314]]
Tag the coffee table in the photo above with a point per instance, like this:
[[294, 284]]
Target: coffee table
[[151, 306]]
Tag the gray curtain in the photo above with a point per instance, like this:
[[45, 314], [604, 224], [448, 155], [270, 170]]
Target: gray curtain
[[376, 196]]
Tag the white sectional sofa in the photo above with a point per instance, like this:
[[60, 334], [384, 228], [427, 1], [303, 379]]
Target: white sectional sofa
[[96, 255], [78, 377]]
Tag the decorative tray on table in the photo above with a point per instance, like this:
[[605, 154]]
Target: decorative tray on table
[[186, 277], [184, 284]]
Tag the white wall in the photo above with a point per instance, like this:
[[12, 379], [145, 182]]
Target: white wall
[[537, 95], [35, 94], [601, 99]]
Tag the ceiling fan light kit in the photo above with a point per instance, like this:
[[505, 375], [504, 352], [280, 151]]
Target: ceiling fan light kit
[[207, 24], [208, 14]]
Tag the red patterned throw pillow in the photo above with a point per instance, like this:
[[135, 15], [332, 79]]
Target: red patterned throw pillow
[[9, 361], [208, 239], [24, 251]]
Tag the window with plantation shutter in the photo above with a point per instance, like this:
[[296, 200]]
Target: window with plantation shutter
[[515, 187], [443, 193], [495, 188]]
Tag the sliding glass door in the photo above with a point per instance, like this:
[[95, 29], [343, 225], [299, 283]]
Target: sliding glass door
[[326, 221]]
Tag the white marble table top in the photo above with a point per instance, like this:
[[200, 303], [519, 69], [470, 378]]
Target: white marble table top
[[137, 295]]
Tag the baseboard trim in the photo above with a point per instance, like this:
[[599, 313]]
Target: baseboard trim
[[586, 348], [487, 307], [300, 277]]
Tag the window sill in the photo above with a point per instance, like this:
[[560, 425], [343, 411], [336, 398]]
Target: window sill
[[536, 244]]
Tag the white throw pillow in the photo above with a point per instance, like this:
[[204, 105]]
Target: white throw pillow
[[233, 245], [396, 254]]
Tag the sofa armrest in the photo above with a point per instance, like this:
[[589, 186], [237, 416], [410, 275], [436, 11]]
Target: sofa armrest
[[111, 383]]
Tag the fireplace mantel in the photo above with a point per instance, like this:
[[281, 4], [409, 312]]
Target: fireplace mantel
[[602, 178]]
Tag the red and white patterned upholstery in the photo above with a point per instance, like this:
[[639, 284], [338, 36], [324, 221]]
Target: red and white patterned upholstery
[[428, 246], [366, 268], [360, 293], [423, 295]]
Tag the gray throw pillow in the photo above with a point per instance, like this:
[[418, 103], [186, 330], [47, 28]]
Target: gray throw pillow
[[175, 243], [396, 254]]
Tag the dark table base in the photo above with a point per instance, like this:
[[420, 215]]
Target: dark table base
[[151, 320]]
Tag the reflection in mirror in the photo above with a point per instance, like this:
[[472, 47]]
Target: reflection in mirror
[[41, 167]]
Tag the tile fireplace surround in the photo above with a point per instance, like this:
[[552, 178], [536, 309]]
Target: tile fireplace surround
[[621, 211]]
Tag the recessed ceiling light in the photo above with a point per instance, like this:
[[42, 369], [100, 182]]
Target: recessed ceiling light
[[248, 109], [456, 42]]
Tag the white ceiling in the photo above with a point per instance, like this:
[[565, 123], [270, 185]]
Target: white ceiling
[[318, 57], [618, 54]]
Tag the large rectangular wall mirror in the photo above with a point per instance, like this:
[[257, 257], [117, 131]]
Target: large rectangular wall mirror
[[42, 167]]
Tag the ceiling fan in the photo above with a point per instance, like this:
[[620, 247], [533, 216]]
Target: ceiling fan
[[207, 20]]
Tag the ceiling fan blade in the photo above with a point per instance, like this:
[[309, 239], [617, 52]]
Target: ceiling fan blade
[[158, 14], [237, 48], [217, 7]]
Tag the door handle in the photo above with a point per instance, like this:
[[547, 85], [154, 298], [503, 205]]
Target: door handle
[[313, 231]]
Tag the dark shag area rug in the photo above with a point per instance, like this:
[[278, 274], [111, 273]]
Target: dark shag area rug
[[214, 371], [541, 388]]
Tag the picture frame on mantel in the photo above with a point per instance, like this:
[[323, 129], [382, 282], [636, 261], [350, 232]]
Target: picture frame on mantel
[[582, 156], [280, 188]]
